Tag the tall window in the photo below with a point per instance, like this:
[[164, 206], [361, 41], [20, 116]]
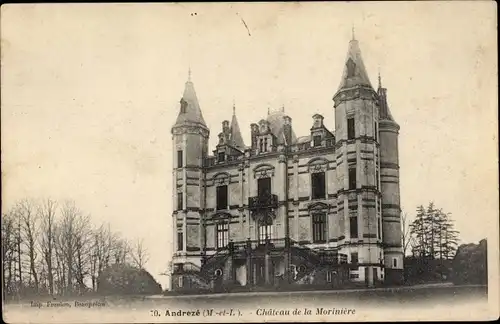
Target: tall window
[[265, 232], [318, 185], [221, 156], [379, 227], [180, 201], [354, 257], [180, 241], [265, 144], [319, 228], [221, 197], [317, 140], [375, 130], [394, 262], [350, 128], [376, 179], [353, 226], [264, 187], [222, 235], [179, 159], [261, 148], [352, 177]]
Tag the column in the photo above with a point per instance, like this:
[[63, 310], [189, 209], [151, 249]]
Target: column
[[266, 268], [249, 263]]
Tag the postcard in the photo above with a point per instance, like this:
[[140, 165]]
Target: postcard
[[249, 162]]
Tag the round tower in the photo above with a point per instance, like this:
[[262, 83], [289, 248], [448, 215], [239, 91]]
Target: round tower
[[389, 179], [356, 117], [190, 147]]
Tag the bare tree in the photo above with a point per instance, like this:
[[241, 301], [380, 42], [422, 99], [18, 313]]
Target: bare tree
[[68, 240], [405, 233], [83, 240], [47, 212], [140, 254], [100, 252], [51, 247], [8, 251], [60, 269], [29, 226]]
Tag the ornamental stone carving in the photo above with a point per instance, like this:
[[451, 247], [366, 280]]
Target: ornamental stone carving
[[221, 179], [263, 171], [318, 165], [318, 207], [184, 129]]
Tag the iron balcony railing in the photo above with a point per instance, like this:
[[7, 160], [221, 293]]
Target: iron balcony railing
[[263, 202]]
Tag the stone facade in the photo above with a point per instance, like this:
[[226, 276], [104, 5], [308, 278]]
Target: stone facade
[[247, 215]]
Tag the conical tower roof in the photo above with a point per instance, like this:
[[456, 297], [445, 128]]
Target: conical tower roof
[[190, 112], [384, 111], [235, 133], [354, 69]]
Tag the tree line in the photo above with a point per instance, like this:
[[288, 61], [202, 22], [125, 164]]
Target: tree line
[[431, 235], [54, 248], [430, 244]]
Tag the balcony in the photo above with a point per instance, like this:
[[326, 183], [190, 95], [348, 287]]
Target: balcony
[[263, 202]]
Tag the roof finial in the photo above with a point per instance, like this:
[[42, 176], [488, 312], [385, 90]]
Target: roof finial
[[379, 79], [189, 74], [234, 107], [268, 111], [353, 36], [283, 108]]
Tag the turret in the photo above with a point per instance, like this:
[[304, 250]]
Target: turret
[[190, 142], [389, 179], [235, 133], [356, 111]]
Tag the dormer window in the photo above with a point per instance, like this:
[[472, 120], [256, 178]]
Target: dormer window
[[351, 66], [184, 105], [317, 140]]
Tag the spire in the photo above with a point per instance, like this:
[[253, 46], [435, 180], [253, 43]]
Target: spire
[[379, 79], [354, 69], [235, 134], [384, 111], [190, 111], [353, 36]]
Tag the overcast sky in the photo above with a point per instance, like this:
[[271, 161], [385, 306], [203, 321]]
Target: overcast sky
[[90, 92]]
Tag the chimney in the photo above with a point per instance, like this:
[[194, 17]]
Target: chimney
[[225, 126], [254, 128], [287, 130]]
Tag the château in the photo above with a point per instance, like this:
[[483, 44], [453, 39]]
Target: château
[[320, 209]]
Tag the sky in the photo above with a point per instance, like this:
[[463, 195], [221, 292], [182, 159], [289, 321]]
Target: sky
[[90, 93]]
